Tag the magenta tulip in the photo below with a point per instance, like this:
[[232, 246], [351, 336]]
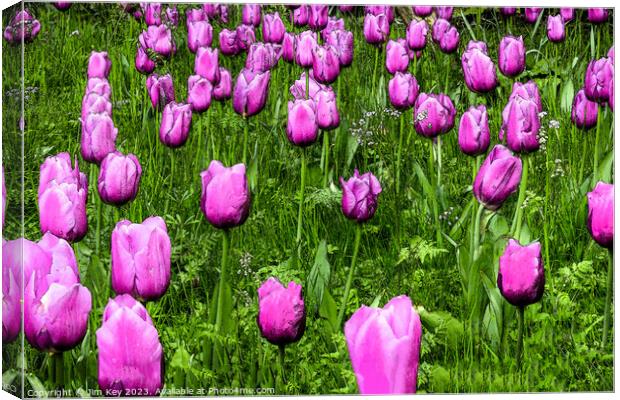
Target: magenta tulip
[[521, 125], [511, 56], [199, 91], [478, 69], [119, 178], [305, 43], [498, 177], [388, 11], [360, 196], [298, 89], [22, 26], [273, 28], [396, 56], [222, 91], [444, 12], [327, 115], [333, 24], [317, 19], [199, 34], [158, 38], [99, 64], [250, 92], [226, 198], [3, 196], [281, 312], [601, 214], [245, 36], [325, 63], [176, 122], [508, 11], [376, 28], [99, 86], [532, 13], [584, 112], [207, 64], [599, 75], [93, 103], [567, 13], [152, 13], [403, 90], [171, 16], [12, 261], [474, 134], [445, 35], [228, 42], [62, 5], [521, 275], [263, 57], [416, 34], [302, 127], [98, 137], [251, 14], [300, 15], [528, 91], [161, 90], [288, 47], [597, 15], [555, 28], [343, 42], [144, 64], [422, 11], [434, 114]]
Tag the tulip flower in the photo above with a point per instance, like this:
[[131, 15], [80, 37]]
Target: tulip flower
[[263, 57], [199, 34], [251, 14], [599, 75], [521, 125], [360, 196], [601, 214], [62, 5], [325, 63], [403, 90], [161, 90], [388, 11], [416, 34], [152, 13], [141, 258], [305, 42], [273, 28], [194, 15], [478, 69], [93, 103], [568, 14], [281, 312], [584, 112], [445, 35], [130, 359], [99, 86], [300, 15], [384, 346], [611, 55], [376, 28], [434, 114], [245, 36], [528, 91], [343, 41], [521, 275], [98, 137], [60, 254], [317, 19], [225, 199], [222, 91], [474, 134], [229, 45], [58, 169], [119, 178], [171, 16], [144, 64], [532, 13], [250, 92], [288, 47], [22, 26], [199, 91], [333, 24], [511, 56], [99, 64], [12, 260], [158, 38], [555, 28], [176, 122], [597, 15], [422, 11], [507, 11], [396, 56], [611, 95], [207, 64], [302, 127], [346, 8], [214, 11], [498, 177], [327, 115], [444, 12], [298, 89]]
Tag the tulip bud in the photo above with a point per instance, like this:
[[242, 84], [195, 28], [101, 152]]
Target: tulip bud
[[333, 24], [99, 86], [228, 42], [263, 56], [199, 34], [597, 15], [250, 92], [444, 12], [567, 13], [152, 13], [98, 137], [225, 199], [298, 89], [288, 47], [317, 19], [498, 177], [434, 114], [144, 64], [343, 41], [207, 64], [599, 74], [245, 36], [474, 134], [119, 178], [326, 109], [325, 63], [176, 122], [171, 16], [222, 91], [555, 28], [601, 214], [96, 104], [305, 42], [62, 5], [158, 38], [251, 14], [161, 90], [199, 92], [611, 54], [388, 11], [99, 65], [60, 254], [360, 196], [521, 275], [345, 8], [130, 356], [195, 15], [13, 258], [403, 89], [528, 91], [445, 35], [384, 346], [300, 15], [507, 11], [22, 26], [511, 56], [478, 69], [273, 28], [532, 13], [281, 312], [396, 56], [422, 11], [521, 125], [58, 169], [302, 127], [141, 258], [584, 112], [376, 28]]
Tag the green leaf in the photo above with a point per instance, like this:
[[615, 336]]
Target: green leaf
[[351, 148], [180, 359], [329, 310], [439, 379], [37, 386], [494, 313], [567, 95], [318, 279], [375, 302], [8, 377], [498, 226], [605, 168]]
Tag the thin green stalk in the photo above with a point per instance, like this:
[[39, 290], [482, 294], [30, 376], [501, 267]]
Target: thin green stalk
[[345, 296], [438, 162], [596, 151], [220, 289], [245, 140], [435, 205], [302, 192], [59, 370], [98, 228], [307, 83], [475, 251], [521, 322], [398, 162], [610, 289], [326, 158], [282, 351], [518, 217], [374, 71]]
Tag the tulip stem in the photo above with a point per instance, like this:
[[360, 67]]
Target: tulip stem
[[245, 139], [610, 289], [282, 350], [345, 296], [59, 369], [220, 289], [398, 161], [307, 83], [518, 218], [302, 192], [98, 229], [475, 251], [374, 71], [521, 322], [326, 158]]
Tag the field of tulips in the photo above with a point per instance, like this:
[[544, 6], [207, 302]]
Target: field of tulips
[[209, 199]]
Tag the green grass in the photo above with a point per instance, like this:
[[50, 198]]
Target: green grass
[[563, 332]]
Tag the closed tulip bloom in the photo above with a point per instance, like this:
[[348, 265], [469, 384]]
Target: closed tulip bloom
[[207, 64], [479, 71], [388, 11], [58, 169], [298, 89], [326, 109], [251, 14], [376, 28], [599, 75], [11, 290], [305, 42], [95, 104], [288, 47], [130, 356], [444, 12], [422, 11], [511, 56], [445, 35], [161, 90], [176, 122], [228, 42], [152, 13], [141, 258], [521, 275], [403, 90], [567, 13], [601, 214], [325, 64], [62, 210], [384, 347], [222, 91], [317, 19], [434, 114], [144, 64], [302, 127], [159, 39], [273, 28], [250, 92], [226, 198], [119, 178], [597, 15], [498, 177], [98, 137], [199, 91], [507, 11], [263, 56], [194, 15], [62, 5], [474, 134], [333, 24], [99, 64], [416, 34], [199, 34], [584, 112], [396, 56], [528, 91], [521, 125], [360, 196], [60, 255], [99, 86], [22, 26], [300, 15], [281, 312], [555, 28], [532, 13], [245, 36], [343, 42]]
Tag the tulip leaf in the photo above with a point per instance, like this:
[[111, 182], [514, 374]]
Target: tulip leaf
[[375, 302], [180, 359], [605, 168], [498, 226], [493, 318], [318, 279], [37, 386], [351, 148], [329, 310], [567, 95], [8, 377]]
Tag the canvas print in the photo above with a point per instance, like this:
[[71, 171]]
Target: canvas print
[[261, 199]]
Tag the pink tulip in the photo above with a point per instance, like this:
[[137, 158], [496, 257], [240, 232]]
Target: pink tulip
[[245, 36], [360, 195], [144, 64], [251, 14], [288, 47], [300, 15], [152, 13], [119, 178], [317, 19], [176, 122], [521, 125], [207, 64], [325, 64], [532, 13], [226, 198], [93, 103], [403, 90], [416, 34], [228, 42], [326, 109], [521, 275], [99, 65], [434, 114], [444, 12], [22, 26], [474, 134], [511, 56], [158, 38], [599, 75], [298, 89], [302, 127], [263, 56], [376, 28], [478, 69], [171, 16], [445, 35], [161, 90], [422, 11], [281, 312], [305, 42], [555, 28], [250, 92], [222, 91], [98, 137], [601, 214], [584, 112], [343, 41], [396, 56], [568, 14], [199, 34], [12, 262], [333, 24], [99, 86], [498, 177], [597, 15], [273, 28], [199, 91]]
